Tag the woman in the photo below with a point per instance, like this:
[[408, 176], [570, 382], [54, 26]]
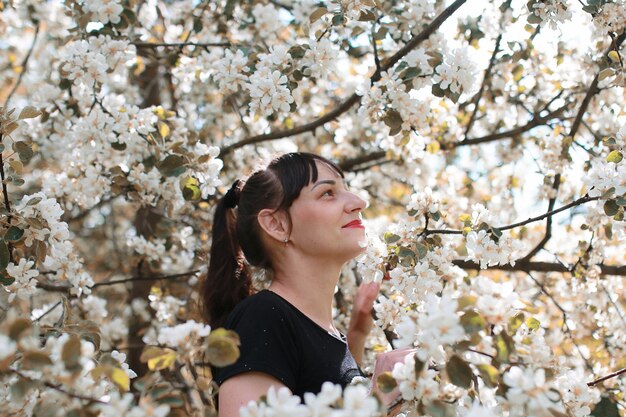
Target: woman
[[296, 219]]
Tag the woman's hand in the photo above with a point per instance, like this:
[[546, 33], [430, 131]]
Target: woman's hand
[[384, 363], [361, 320]]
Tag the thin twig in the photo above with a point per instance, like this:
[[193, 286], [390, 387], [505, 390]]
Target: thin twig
[[64, 288], [181, 44], [582, 200], [564, 314], [24, 64], [604, 378], [479, 95], [59, 389]]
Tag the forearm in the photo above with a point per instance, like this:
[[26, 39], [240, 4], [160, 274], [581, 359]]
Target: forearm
[[356, 343]]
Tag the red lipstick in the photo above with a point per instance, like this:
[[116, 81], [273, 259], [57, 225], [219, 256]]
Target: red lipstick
[[354, 223]]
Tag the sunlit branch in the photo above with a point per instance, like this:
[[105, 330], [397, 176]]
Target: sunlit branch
[[604, 378], [24, 64], [354, 99]]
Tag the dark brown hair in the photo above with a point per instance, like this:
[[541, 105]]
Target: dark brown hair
[[237, 234]]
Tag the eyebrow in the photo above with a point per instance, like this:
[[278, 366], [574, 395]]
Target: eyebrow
[[331, 182]]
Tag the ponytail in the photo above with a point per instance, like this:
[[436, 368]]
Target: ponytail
[[228, 280]]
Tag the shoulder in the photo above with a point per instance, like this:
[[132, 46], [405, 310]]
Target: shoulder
[[260, 306]]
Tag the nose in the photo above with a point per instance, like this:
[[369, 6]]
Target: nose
[[354, 203]]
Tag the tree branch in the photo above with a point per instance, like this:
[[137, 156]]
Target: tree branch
[[533, 266], [24, 64], [592, 91], [604, 378], [354, 99], [59, 389], [64, 288], [582, 200], [564, 314], [534, 122], [154, 45]]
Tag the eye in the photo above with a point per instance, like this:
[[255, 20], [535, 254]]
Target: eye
[[328, 193]]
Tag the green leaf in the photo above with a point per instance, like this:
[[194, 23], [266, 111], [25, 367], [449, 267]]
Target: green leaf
[[13, 234], [615, 157], [532, 323], [386, 383], [489, 374], [70, 354], [438, 91], [620, 201], [222, 347], [297, 51], [5, 279], [338, 19], [422, 250], [367, 16], [172, 166], [438, 408], [35, 360], [605, 73], [515, 322], [610, 207], [391, 238], [605, 408], [4, 255], [534, 19], [473, 322], [459, 372], [393, 119], [24, 150], [504, 346], [29, 112], [19, 328], [317, 14]]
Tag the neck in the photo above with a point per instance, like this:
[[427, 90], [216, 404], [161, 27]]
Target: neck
[[309, 286]]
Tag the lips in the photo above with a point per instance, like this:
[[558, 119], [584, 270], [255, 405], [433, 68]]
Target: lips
[[354, 223]]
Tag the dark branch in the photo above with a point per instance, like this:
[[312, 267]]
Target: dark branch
[[582, 200], [534, 122], [63, 288], [479, 95], [592, 91], [617, 270]]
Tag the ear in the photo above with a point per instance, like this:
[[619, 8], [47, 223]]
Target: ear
[[275, 224]]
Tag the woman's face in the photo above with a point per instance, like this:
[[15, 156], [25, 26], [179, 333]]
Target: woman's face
[[326, 218]]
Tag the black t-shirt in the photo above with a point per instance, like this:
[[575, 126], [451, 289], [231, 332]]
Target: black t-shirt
[[280, 340]]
